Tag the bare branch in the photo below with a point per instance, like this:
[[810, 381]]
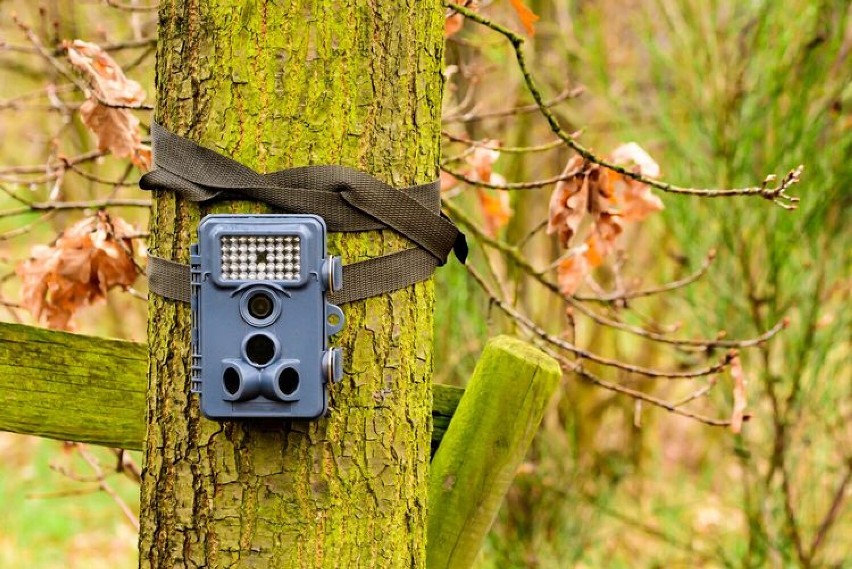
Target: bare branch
[[131, 7], [777, 194], [503, 149], [514, 254], [90, 204], [668, 287], [508, 186], [469, 117], [832, 514], [542, 334]]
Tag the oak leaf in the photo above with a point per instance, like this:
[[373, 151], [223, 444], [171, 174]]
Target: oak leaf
[[452, 24], [568, 202], [496, 210], [635, 200], [607, 199], [571, 271], [481, 161], [527, 17], [116, 128], [88, 259], [454, 20]]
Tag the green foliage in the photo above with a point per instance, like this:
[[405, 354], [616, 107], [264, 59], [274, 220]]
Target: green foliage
[[721, 94], [50, 521]]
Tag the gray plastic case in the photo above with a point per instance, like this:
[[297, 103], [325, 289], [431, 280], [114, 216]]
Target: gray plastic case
[[298, 328]]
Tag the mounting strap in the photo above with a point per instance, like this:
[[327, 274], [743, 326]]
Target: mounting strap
[[348, 200]]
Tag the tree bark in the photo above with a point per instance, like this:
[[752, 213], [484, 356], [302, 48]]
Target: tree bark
[[276, 85]]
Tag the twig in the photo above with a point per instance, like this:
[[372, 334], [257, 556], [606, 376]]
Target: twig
[[63, 162], [47, 55], [532, 233], [504, 149], [127, 465], [98, 180], [116, 46], [570, 366], [585, 354], [515, 255], [12, 233], [131, 7], [469, 117], [832, 514], [103, 485], [508, 186], [91, 204], [51, 59], [790, 514], [698, 393], [668, 287]]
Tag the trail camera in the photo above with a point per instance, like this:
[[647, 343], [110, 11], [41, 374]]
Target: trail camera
[[260, 317]]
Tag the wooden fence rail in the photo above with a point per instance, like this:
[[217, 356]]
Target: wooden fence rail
[[88, 389]]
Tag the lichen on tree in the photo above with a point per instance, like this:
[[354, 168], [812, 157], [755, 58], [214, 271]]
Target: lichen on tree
[[310, 82]]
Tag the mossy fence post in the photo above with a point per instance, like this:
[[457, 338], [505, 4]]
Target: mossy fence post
[[275, 85]]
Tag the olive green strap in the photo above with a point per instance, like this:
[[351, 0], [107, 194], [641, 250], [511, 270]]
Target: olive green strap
[[347, 199]]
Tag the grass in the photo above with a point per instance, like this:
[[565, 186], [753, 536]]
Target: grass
[[41, 530]]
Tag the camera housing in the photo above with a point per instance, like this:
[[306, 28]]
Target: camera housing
[[261, 320]]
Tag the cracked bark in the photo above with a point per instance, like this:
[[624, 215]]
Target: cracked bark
[[275, 85]]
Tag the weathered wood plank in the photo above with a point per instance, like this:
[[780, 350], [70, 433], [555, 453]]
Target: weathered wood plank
[[483, 446], [72, 387], [88, 389]]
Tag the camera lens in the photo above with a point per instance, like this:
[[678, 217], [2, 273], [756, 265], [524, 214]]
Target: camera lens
[[288, 381], [260, 305], [260, 349], [231, 380]]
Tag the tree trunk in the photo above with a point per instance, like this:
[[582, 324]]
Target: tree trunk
[[275, 85]]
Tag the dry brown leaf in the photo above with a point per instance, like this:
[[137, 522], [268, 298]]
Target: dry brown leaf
[[448, 181], [481, 161], [607, 199], [454, 20], [117, 129], [87, 259], [632, 156], [604, 234], [452, 24], [740, 401], [568, 202], [527, 17], [571, 272], [635, 200], [496, 210]]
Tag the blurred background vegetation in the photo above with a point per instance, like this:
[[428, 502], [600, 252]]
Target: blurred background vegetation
[[720, 93]]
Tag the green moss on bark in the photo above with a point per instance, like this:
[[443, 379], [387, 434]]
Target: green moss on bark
[[274, 85]]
